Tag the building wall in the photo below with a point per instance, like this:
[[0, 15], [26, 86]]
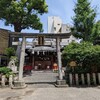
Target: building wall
[[65, 28], [54, 24], [50, 24], [4, 40]]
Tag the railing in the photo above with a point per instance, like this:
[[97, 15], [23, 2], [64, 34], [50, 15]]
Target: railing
[[86, 79]]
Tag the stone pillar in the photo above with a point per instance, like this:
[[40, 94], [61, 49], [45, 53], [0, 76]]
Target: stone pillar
[[94, 78], [99, 78], [22, 58], [10, 80], [82, 78], [70, 79], [88, 79], [59, 59], [76, 79], [60, 81], [3, 81]]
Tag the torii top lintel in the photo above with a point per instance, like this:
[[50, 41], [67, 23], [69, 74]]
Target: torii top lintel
[[34, 35]]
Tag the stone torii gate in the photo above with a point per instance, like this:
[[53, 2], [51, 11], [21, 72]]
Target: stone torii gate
[[58, 37]]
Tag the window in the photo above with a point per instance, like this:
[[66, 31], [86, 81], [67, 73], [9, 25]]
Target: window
[[55, 28]]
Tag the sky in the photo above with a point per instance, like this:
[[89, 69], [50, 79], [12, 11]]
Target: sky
[[61, 8]]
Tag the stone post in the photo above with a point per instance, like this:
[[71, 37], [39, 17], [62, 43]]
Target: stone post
[[94, 78], [3, 81], [88, 79], [82, 78], [70, 79], [76, 79], [10, 80], [59, 59], [99, 78], [22, 58]]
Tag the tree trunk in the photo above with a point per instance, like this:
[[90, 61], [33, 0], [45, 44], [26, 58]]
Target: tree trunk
[[17, 27]]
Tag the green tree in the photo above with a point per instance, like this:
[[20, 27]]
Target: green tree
[[86, 55], [23, 13], [10, 52], [96, 31], [83, 20]]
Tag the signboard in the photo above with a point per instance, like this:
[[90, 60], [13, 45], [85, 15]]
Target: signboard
[[72, 64], [41, 40]]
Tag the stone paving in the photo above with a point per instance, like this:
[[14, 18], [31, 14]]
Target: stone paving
[[64, 94], [45, 76], [45, 90], [68, 93]]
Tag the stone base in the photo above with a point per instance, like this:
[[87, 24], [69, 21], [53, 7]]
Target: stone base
[[61, 83], [98, 86], [19, 85]]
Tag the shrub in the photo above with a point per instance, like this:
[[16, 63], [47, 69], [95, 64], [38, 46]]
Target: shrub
[[10, 52], [6, 71], [85, 54]]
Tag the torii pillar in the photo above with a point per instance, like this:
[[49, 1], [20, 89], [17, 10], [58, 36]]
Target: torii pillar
[[22, 58], [60, 82], [20, 83], [59, 59]]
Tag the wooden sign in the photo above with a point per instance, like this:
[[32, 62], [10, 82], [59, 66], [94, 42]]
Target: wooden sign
[[41, 40], [72, 64]]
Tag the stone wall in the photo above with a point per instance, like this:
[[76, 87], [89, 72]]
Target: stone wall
[[4, 40]]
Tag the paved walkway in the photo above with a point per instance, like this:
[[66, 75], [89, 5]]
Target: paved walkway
[[45, 90], [68, 93], [41, 77]]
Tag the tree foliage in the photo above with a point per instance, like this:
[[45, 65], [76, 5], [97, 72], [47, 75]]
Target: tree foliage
[[23, 13], [96, 31], [85, 54], [10, 52], [5, 71], [84, 20]]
